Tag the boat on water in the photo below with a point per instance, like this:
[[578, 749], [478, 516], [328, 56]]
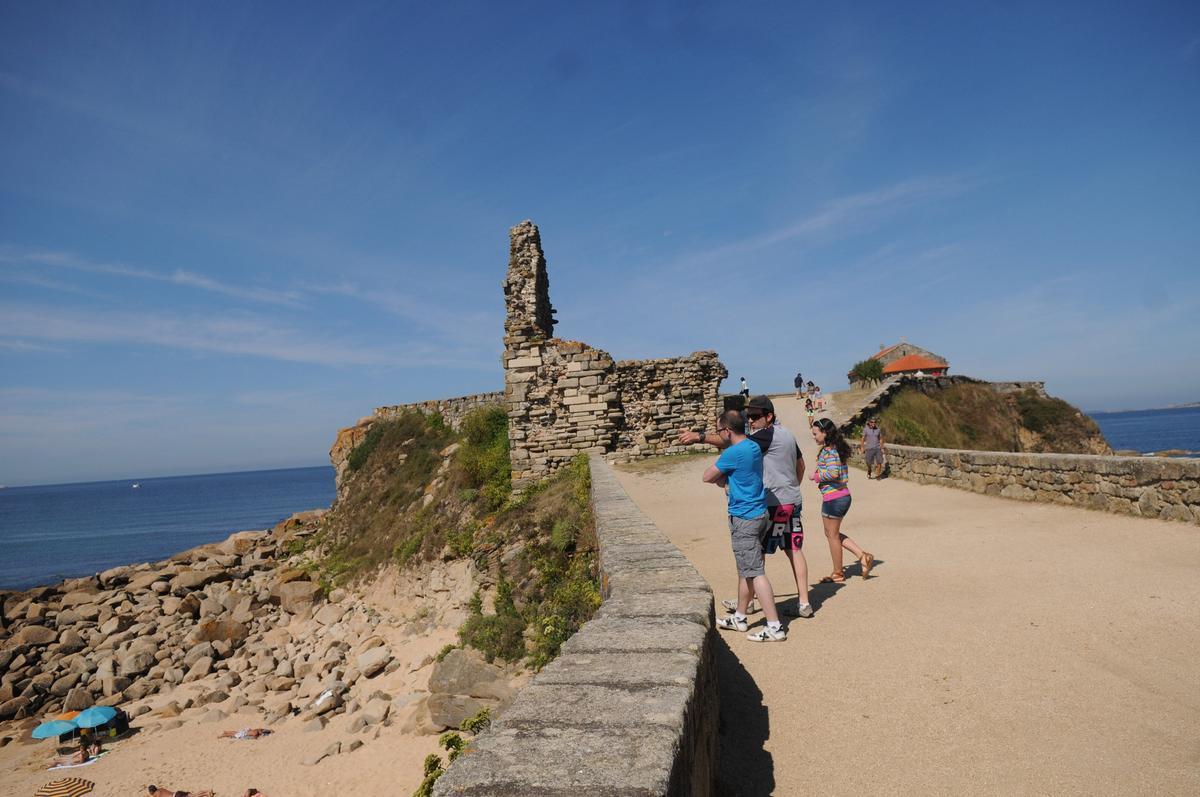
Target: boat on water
[[135, 485]]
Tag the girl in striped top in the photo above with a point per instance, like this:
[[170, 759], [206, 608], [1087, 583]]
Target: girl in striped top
[[832, 477]]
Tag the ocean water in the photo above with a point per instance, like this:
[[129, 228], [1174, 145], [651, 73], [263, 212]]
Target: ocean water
[[67, 530], [1152, 430]]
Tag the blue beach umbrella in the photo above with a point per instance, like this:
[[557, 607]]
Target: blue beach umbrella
[[53, 728], [96, 715]]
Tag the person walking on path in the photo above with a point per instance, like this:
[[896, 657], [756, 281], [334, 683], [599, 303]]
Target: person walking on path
[[783, 470], [798, 383], [745, 388], [832, 476], [740, 468], [872, 448]]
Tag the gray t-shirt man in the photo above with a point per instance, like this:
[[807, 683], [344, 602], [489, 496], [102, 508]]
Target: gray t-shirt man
[[780, 453], [871, 437]]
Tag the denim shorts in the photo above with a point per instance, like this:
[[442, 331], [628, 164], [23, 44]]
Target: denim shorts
[[837, 508]]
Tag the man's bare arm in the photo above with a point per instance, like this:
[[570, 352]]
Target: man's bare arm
[[714, 476], [689, 438]]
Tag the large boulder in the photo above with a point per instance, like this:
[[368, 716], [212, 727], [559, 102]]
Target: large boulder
[[14, 709], [195, 579], [35, 635], [70, 642], [79, 598], [449, 711], [372, 661], [220, 630], [241, 543], [464, 672], [78, 699], [134, 664], [296, 597]]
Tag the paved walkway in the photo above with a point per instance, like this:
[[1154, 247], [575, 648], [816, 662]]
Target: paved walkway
[[1001, 648]]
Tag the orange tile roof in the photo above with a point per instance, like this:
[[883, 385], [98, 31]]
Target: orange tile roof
[[914, 362]]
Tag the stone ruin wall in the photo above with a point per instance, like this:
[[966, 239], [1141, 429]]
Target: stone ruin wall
[[452, 410], [566, 398], [659, 397]]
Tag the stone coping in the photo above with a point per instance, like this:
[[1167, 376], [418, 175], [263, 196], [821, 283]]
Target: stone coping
[[630, 705], [1154, 487]]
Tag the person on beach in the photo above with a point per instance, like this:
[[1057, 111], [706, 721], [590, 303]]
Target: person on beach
[[155, 791], [87, 751], [809, 412], [798, 383], [832, 476], [744, 391], [245, 733], [783, 470], [872, 449], [740, 469], [817, 399]]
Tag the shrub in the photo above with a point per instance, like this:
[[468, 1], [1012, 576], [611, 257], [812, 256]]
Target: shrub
[[362, 452], [484, 455], [478, 723], [499, 635]]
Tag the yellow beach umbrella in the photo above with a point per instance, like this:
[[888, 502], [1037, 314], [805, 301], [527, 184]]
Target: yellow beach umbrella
[[66, 787]]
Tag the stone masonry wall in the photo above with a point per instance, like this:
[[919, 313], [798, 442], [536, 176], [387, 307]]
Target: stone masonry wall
[[452, 410], [565, 398], [630, 706], [1168, 489], [658, 397]]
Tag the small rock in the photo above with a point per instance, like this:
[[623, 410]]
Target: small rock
[[317, 758], [373, 661]]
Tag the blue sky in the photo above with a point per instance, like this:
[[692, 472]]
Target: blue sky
[[229, 229]]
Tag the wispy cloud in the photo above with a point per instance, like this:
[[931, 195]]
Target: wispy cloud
[[24, 346], [51, 259]]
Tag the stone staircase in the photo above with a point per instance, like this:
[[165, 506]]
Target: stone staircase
[[847, 407]]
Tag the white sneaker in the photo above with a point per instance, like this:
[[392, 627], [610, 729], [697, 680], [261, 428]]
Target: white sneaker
[[731, 605], [801, 610], [768, 634], [732, 623]]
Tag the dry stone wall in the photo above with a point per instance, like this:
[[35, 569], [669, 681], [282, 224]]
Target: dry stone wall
[[658, 397], [452, 410], [1168, 489], [630, 706]]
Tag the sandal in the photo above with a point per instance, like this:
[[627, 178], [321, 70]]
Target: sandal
[[836, 577], [866, 562]]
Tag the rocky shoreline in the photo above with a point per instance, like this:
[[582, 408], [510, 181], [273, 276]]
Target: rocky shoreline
[[238, 626]]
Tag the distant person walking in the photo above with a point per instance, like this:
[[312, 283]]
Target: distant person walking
[[872, 448], [783, 470], [832, 477], [817, 399], [798, 383], [809, 411], [745, 391], [740, 468]]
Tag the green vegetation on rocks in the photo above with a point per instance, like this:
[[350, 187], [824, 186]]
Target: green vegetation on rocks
[[416, 491]]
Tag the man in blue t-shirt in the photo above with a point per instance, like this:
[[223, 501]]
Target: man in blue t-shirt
[[740, 468]]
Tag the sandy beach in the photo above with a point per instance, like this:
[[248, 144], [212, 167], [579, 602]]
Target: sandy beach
[[1001, 647]]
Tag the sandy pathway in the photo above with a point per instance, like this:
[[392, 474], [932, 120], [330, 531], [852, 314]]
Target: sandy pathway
[[1002, 648]]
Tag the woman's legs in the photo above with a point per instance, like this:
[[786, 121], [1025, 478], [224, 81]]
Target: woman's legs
[[834, 536]]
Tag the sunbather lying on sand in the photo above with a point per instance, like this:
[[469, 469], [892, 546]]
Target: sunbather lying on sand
[[85, 752], [155, 791], [244, 733], [253, 793]]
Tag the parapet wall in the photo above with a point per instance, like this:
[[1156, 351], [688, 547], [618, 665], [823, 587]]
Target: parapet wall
[[1168, 489], [630, 706]]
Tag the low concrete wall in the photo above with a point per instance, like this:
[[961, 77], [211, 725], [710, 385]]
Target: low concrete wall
[[630, 706], [1168, 489]]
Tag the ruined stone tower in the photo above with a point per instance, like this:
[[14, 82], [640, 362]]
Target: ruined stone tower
[[526, 289], [565, 398]]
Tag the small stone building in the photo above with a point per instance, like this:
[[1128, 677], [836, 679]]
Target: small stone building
[[907, 359]]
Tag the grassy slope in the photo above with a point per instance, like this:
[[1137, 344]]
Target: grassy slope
[[969, 416], [406, 503]]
